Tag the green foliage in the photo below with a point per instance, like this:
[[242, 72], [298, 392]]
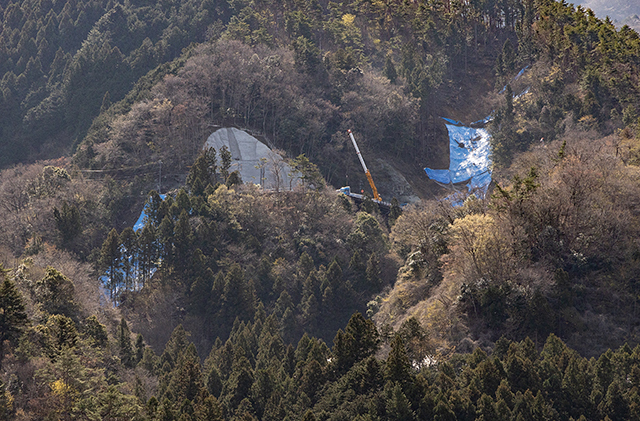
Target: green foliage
[[6, 402], [13, 318], [55, 293], [110, 261], [68, 223], [397, 367], [203, 172], [309, 173], [390, 69], [257, 270], [124, 344], [367, 235], [96, 331], [58, 335]]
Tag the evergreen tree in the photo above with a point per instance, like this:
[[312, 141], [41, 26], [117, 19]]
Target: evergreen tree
[[13, 318], [237, 298], [96, 331], [165, 241], [390, 69], [398, 406], [182, 240], [186, 381], [398, 365], [365, 335], [6, 400], [111, 260], [152, 209], [55, 293], [210, 410], [60, 334], [508, 56], [124, 344], [148, 252], [68, 223], [234, 179], [130, 253], [140, 348], [203, 172], [373, 272], [309, 173], [225, 164], [308, 416], [394, 212]]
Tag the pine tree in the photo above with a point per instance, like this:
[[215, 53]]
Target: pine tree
[[486, 409], [373, 272], [129, 241], [209, 410], [68, 223], [152, 209], [111, 261], [182, 240], [148, 252], [13, 318], [305, 265], [365, 334], [237, 297], [390, 69], [55, 293], [96, 331], [6, 400], [398, 406], [225, 164], [395, 212], [398, 365], [124, 344], [309, 173], [186, 381], [203, 172], [308, 416], [60, 334], [140, 348], [165, 241]]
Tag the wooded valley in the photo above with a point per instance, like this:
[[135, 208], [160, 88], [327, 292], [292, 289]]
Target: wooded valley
[[233, 301]]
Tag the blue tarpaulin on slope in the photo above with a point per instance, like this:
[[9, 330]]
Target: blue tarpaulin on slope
[[441, 176], [457, 123], [104, 279], [143, 216], [469, 159], [520, 73]]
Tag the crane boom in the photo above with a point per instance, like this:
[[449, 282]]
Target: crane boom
[[376, 196]]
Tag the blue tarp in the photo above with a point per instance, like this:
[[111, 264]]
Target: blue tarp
[[104, 279], [457, 123], [483, 121], [526, 91], [441, 176], [520, 73], [143, 216], [469, 159]]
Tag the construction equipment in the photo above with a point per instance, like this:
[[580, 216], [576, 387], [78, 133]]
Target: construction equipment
[[376, 196]]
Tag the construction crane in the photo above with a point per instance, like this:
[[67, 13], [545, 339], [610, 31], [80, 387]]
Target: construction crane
[[376, 196]]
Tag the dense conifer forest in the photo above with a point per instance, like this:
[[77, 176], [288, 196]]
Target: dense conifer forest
[[237, 302]]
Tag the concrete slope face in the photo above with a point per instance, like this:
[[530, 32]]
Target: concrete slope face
[[255, 162]]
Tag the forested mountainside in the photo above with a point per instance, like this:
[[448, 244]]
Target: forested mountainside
[[236, 302], [620, 11]]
